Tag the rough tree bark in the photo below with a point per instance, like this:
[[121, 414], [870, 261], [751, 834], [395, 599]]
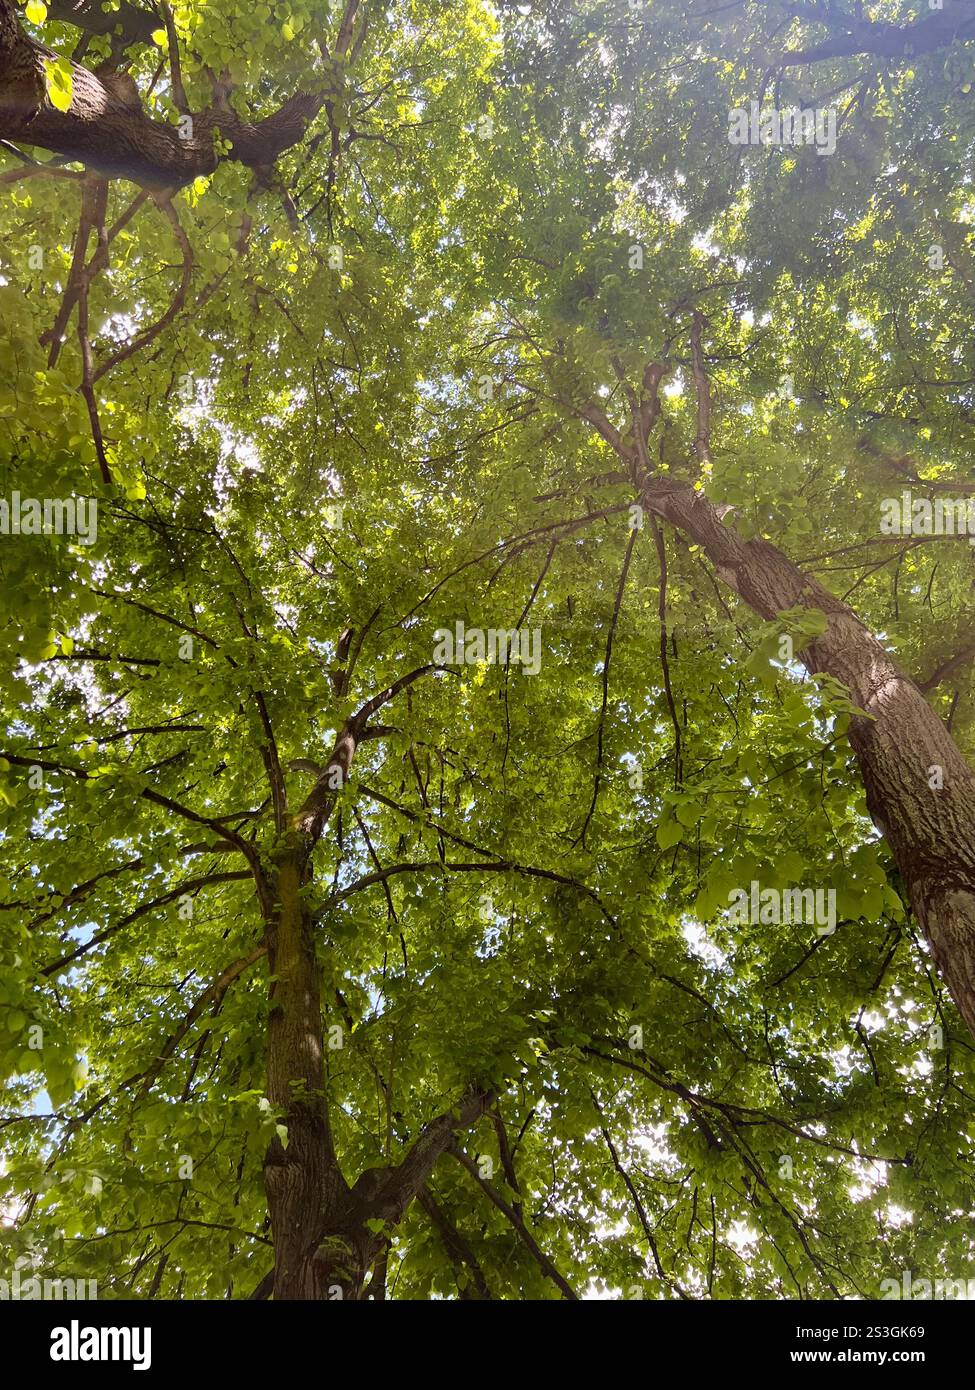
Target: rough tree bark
[[304, 1185], [107, 129], [931, 832], [323, 1247]]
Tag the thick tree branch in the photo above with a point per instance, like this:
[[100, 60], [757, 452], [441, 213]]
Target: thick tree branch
[[387, 1192], [881, 39], [311, 819], [900, 742], [113, 135]]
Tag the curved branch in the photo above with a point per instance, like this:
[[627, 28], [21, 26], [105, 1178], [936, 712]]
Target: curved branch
[[109, 131], [946, 668], [213, 994], [881, 39], [524, 1235], [179, 299], [127, 23], [192, 885]]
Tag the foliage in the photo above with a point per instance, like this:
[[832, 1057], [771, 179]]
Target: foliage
[[394, 440]]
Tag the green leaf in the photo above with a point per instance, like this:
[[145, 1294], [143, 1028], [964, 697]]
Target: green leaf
[[689, 813], [60, 82], [669, 833]]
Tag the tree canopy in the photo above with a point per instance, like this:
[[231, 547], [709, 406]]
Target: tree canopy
[[335, 964]]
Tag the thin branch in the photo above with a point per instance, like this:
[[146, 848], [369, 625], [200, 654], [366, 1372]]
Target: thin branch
[[192, 885], [945, 669], [454, 1243], [664, 661], [524, 1235], [40, 171], [272, 765], [176, 76], [702, 439], [147, 793], [635, 1198], [143, 340], [620, 588], [213, 994]]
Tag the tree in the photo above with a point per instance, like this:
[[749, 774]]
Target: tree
[[347, 952]]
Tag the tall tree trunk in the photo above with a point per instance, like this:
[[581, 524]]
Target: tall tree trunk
[[920, 790], [302, 1178], [323, 1249]]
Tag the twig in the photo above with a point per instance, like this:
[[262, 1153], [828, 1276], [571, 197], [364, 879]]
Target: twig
[[581, 838], [702, 440], [664, 663]]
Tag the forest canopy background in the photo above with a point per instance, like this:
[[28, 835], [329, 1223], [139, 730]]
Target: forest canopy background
[[324, 968]]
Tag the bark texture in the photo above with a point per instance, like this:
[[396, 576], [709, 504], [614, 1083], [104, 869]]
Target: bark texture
[[302, 1179], [106, 127], [899, 749], [324, 1246]]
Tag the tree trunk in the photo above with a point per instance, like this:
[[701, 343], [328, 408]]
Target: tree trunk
[[920, 790], [302, 1178]]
